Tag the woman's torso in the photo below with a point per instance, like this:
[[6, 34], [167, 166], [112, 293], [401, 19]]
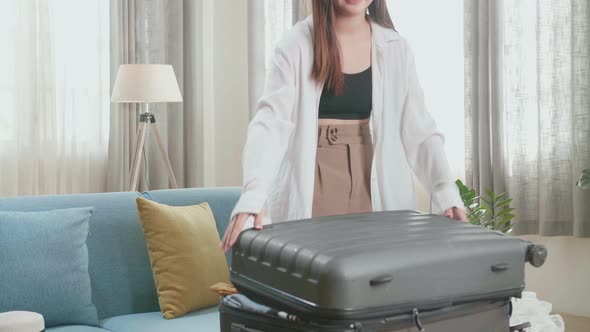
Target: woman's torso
[[391, 178]]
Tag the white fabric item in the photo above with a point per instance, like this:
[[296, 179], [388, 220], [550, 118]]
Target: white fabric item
[[538, 313], [54, 96], [279, 155], [21, 321]]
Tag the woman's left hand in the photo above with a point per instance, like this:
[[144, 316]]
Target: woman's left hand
[[456, 213]]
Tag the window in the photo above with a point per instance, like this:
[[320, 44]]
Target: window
[[434, 30], [54, 95]]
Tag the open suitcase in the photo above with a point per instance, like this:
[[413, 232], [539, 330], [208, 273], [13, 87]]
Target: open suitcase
[[383, 271]]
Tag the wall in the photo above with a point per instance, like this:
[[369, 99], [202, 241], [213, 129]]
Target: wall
[[564, 280], [231, 88]]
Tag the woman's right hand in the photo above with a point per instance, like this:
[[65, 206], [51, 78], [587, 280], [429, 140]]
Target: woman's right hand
[[235, 228]]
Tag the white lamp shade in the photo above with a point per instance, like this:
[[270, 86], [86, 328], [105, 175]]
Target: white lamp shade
[[143, 83]]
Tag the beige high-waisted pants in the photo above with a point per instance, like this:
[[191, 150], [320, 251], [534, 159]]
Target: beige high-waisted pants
[[342, 169]]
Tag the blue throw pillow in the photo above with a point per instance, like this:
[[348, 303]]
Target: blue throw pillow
[[44, 265]]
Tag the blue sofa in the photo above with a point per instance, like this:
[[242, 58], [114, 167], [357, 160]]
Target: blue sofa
[[123, 289]]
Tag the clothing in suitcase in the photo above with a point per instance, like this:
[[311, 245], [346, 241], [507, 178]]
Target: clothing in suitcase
[[368, 271]]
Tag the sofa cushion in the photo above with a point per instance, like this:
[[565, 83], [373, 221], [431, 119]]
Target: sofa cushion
[[45, 265], [186, 260], [221, 201], [120, 273], [76, 328], [206, 320]]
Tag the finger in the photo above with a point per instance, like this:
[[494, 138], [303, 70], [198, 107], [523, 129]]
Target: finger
[[462, 215], [227, 231], [258, 220], [230, 230], [449, 213], [459, 214], [238, 229]]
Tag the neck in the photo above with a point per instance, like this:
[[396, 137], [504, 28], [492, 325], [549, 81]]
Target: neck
[[346, 25]]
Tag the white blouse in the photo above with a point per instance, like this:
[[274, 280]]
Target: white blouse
[[279, 155]]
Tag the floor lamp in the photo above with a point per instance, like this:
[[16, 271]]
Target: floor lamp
[[145, 84]]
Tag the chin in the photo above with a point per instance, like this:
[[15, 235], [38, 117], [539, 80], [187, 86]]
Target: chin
[[351, 7]]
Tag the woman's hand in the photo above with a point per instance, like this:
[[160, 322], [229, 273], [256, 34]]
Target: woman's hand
[[457, 214], [235, 228]]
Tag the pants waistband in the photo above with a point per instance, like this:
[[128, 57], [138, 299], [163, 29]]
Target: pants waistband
[[344, 134]]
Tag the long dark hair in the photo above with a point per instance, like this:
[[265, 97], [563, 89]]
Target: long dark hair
[[327, 65]]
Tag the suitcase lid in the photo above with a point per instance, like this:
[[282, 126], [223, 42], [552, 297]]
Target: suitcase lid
[[372, 264]]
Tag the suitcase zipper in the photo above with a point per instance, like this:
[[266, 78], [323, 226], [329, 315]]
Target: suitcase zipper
[[311, 312]]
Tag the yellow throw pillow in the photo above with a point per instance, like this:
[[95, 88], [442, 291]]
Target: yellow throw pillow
[[183, 245]]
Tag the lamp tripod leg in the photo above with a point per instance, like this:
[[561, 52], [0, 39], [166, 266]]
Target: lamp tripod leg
[[138, 159], [156, 132]]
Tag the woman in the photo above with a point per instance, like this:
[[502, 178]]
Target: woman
[[341, 125]]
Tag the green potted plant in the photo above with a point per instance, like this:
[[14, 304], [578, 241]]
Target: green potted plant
[[493, 210], [490, 210]]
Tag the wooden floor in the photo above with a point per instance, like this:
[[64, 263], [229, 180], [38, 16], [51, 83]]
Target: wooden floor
[[576, 323]]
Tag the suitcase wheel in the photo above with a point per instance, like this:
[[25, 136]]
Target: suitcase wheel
[[536, 255]]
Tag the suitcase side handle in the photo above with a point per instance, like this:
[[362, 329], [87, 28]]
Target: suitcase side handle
[[500, 267], [380, 280]]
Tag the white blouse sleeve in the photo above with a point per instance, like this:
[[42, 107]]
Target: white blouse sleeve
[[268, 135], [424, 146]]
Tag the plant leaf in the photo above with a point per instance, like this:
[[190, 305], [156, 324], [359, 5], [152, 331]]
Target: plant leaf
[[584, 181], [477, 214], [469, 197], [473, 206], [506, 219], [503, 203], [490, 194], [490, 222], [481, 210], [485, 201], [504, 211], [502, 195]]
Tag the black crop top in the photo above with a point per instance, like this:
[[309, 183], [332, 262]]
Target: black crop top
[[355, 103]]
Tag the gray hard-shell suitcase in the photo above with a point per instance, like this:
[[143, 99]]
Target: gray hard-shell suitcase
[[372, 266]]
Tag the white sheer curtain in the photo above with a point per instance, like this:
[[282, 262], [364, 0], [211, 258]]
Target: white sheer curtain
[[54, 96], [528, 108], [271, 19], [439, 62], [442, 84]]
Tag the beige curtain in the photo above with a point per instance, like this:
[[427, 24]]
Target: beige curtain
[[158, 31], [527, 108], [123, 117]]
